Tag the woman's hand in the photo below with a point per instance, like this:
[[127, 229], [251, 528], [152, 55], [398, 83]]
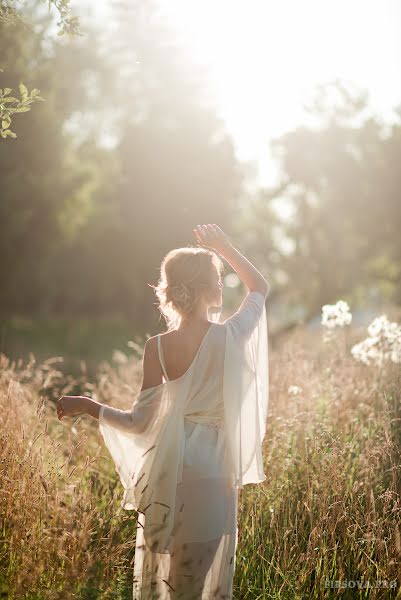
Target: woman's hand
[[70, 406], [212, 237]]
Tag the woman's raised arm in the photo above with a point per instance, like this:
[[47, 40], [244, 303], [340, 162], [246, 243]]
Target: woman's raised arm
[[213, 237]]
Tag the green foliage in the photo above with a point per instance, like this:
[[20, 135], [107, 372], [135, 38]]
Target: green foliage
[[8, 12], [88, 339], [9, 16], [84, 224], [68, 24], [341, 182], [75, 215], [9, 105]]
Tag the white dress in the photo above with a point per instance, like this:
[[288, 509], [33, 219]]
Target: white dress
[[182, 452]]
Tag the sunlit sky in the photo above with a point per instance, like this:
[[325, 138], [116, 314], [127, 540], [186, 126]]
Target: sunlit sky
[[265, 59]]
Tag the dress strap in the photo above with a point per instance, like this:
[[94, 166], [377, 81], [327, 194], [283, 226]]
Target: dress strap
[[161, 357]]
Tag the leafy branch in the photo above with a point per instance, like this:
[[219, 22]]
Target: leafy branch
[[9, 16], [9, 105], [68, 23]]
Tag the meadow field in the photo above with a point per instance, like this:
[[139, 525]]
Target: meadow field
[[326, 522], [124, 126]]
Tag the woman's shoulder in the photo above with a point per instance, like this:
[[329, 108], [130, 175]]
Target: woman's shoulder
[[177, 333]]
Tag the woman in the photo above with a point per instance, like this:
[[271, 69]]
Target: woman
[[191, 441]]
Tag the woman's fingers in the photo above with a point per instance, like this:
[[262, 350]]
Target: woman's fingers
[[205, 232], [197, 234], [211, 236], [60, 409], [201, 234]]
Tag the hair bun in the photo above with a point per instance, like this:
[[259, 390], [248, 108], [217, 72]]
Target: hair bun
[[183, 276], [182, 296]]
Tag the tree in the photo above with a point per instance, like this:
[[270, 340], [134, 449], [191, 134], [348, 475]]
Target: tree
[[45, 182], [341, 180], [173, 165], [84, 224]]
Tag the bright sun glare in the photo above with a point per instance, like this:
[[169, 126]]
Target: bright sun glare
[[266, 58]]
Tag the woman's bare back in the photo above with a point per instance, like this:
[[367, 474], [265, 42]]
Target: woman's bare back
[[180, 348]]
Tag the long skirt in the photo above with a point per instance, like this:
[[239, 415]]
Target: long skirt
[[200, 563]]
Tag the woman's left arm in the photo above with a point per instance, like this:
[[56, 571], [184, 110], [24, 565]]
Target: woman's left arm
[[71, 406], [133, 420]]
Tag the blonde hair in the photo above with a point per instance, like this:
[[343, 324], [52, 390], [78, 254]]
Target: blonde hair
[[184, 278]]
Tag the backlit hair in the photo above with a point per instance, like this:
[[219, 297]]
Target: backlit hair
[[184, 278]]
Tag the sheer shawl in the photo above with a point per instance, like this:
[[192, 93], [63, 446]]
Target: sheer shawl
[[246, 388], [147, 442]]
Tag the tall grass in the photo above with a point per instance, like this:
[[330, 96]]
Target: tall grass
[[326, 519]]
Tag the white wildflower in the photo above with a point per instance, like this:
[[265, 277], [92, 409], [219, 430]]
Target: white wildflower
[[336, 315], [294, 390], [119, 357], [383, 344]]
